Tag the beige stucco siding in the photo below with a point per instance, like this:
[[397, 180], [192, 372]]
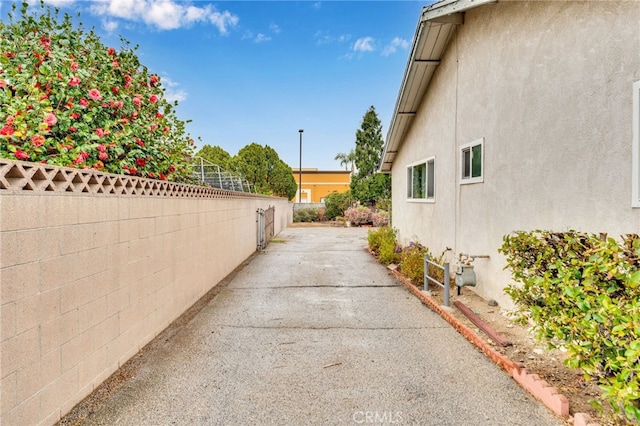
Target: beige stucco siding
[[548, 85]]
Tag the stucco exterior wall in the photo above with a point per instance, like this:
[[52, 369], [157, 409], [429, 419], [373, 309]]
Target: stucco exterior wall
[[87, 280], [548, 85]]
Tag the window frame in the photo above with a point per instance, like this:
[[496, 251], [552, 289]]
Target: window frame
[[409, 189], [468, 147], [635, 149]]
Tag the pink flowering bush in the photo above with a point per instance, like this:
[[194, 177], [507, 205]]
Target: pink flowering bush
[[358, 215], [380, 218], [68, 100]]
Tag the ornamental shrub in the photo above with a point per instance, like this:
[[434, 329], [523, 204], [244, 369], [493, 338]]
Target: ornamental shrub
[[412, 263], [309, 214], [582, 292], [380, 218], [337, 203], [358, 215], [68, 100]]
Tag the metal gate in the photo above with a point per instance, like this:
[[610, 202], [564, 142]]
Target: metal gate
[[266, 226]]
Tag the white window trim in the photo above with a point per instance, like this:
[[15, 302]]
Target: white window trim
[[424, 200], [478, 179], [635, 147]]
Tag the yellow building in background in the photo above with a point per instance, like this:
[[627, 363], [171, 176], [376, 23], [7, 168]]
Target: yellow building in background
[[317, 184]]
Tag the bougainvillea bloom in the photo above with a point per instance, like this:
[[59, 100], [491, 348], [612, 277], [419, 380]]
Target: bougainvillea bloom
[[103, 156], [111, 51], [100, 132], [37, 140], [74, 81], [101, 148], [21, 155], [141, 162], [153, 99], [50, 119], [95, 95], [137, 100], [83, 102], [74, 66]]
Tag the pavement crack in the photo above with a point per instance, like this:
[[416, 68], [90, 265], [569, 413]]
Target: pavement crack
[[300, 327], [317, 286]]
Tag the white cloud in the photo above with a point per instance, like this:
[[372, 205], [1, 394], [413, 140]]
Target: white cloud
[[163, 14], [223, 20], [322, 37], [260, 38], [171, 90], [54, 3], [396, 43], [110, 25], [274, 28], [364, 44], [317, 5]]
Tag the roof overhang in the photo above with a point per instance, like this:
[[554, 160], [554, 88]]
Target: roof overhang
[[435, 28]]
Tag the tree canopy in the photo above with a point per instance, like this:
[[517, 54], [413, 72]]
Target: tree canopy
[[216, 155], [68, 100], [262, 167], [368, 186]]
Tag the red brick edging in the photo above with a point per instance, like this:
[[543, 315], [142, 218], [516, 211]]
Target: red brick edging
[[532, 383]]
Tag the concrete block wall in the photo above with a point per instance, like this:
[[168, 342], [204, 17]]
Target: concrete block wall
[[87, 280]]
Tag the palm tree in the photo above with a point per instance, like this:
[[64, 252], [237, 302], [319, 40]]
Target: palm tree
[[347, 159]]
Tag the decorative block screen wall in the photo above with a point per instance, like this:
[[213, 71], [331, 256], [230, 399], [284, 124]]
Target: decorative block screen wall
[[93, 266]]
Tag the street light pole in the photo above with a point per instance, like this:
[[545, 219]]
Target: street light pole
[[300, 169]]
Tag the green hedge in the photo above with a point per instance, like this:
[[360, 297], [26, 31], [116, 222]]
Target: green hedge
[[582, 292]]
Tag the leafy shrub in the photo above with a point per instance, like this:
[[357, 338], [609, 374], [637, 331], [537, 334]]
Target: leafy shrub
[[358, 215], [412, 264], [309, 214], [380, 218], [336, 204], [68, 100], [376, 237], [583, 292]]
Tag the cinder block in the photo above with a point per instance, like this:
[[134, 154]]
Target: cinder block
[[50, 367], [57, 272], [29, 382], [26, 413], [48, 305], [76, 238], [58, 393], [60, 209], [27, 313], [117, 301], [91, 366], [91, 209], [105, 233], [19, 351], [8, 390], [128, 230], [92, 314], [19, 281], [20, 247], [13, 208], [58, 331], [73, 351], [7, 321]]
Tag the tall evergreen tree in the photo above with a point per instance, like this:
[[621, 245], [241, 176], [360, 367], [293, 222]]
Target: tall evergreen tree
[[368, 186]]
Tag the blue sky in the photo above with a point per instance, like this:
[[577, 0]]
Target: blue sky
[[257, 71]]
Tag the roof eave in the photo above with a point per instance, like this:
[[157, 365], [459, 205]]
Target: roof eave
[[436, 25]]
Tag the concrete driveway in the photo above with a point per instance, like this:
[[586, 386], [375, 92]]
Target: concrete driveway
[[315, 331]]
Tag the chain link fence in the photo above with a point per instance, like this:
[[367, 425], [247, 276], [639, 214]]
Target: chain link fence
[[217, 177]]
